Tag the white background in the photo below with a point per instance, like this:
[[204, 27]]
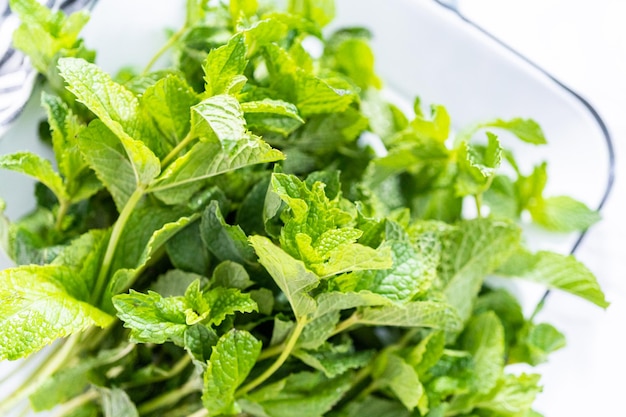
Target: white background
[[583, 44]]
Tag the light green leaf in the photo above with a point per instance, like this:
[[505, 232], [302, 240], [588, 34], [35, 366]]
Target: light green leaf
[[39, 304], [478, 166], [36, 167], [426, 353], [106, 156], [65, 128], [151, 317], [212, 307], [335, 360], [275, 116], [175, 282], [168, 102], [527, 130], [117, 403], [290, 275], [412, 314], [320, 11], [312, 95], [225, 242], [562, 214], [218, 117], [224, 64], [205, 160], [117, 108], [535, 342], [231, 361], [303, 394], [484, 339], [556, 271], [412, 272], [337, 301], [477, 248], [230, 274], [242, 8], [391, 371], [514, 395], [318, 330], [199, 341]]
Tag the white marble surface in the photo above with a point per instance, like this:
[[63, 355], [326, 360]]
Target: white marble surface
[[583, 44]]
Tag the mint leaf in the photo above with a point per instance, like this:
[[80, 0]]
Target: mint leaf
[[219, 117], [290, 275], [225, 242], [318, 330], [271, 116], [477, 166], [527, 130], [392, 372], [320, 12], [484, 339], [208, 159], [337, 301], [304, 394], [412, 273], [476, 249], [168, 102], [106, 156], [151, 317], [38, 168], [118, 109], [535, 343], [213, 306], [334, 360], [412, 314], [556, 271], [230, 274], [117, 403], [563, 214], [39, 304], [231, 361], [224, 66]]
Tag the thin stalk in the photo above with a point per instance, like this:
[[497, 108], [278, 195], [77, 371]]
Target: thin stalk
[[50, 366], [291, 343], [203, 412], [175, 370], [76, 402], [116, 233], [171, 42], [167, 399], [174, 152], [346, 324], [478, 199], [271, 351], [64, 206]]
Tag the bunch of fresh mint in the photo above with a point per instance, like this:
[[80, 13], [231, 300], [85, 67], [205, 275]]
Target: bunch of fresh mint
[[213, 238]]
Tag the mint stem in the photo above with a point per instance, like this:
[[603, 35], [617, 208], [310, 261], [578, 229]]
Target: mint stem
[[167, 399], [174, 152], [171, 42], [291, 343], [116, 233]]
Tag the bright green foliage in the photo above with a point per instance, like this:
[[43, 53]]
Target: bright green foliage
[[168, 102], [474, 250], [224, 67], [317, 230], [290, 275], [392, 372], [303, 394], [274, 237], [40, 304], [36, 167], [231, 361], [556, 271], [153, 318], [116, 403]]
